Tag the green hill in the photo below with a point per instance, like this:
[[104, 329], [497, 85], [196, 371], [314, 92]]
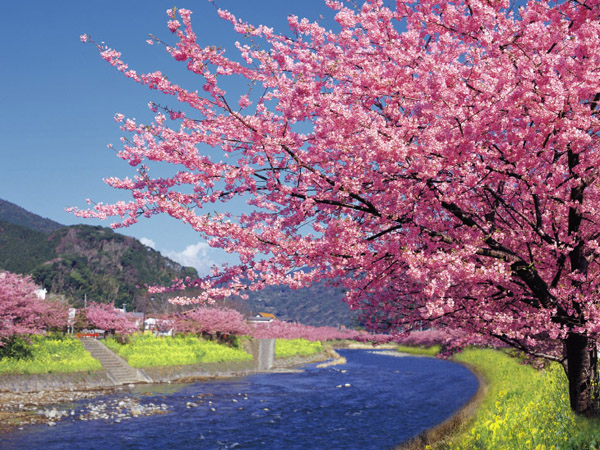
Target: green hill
[[318, 305], [86, 260], [23, 249], [11, 213]]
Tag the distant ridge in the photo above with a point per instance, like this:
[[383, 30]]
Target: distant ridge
[[11, 213]]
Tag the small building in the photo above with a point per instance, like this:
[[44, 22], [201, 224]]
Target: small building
[[160, 327], [267, 316], [261, 318]]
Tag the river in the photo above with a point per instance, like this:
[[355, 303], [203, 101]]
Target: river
[[374, 401]]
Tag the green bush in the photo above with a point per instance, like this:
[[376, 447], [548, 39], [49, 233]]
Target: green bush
[[146, 351], [285, 348], [16, 347], [50, 355]]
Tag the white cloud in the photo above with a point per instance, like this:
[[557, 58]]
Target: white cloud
[[148, 242], [195, 255]]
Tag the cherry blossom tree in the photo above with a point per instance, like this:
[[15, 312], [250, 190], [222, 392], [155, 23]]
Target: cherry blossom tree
[[438, 159], [111, 319], [211, 321], [22, 312]]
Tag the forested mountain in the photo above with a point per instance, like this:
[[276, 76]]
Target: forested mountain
[[83, 260], [318, 305], [105, 266]]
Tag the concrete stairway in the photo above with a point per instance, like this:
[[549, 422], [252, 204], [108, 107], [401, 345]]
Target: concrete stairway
[[117, 368]]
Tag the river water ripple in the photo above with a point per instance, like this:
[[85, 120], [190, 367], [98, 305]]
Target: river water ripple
[[375, 401]]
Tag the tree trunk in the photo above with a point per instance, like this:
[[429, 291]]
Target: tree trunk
[[582, 373]]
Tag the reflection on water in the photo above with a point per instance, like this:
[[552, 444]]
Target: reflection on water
[[375, 401]]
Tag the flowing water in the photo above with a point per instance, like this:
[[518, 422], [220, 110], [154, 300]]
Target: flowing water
[[375, 401]]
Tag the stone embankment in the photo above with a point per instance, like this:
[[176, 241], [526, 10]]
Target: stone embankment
[[117, 372], [55, 381]]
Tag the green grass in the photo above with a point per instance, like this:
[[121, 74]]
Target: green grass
[[147, 351], [285, 348], [524, 408], [52, 355], [425, 351]]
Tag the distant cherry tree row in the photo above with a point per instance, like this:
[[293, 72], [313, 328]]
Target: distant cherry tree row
[[23, 311]]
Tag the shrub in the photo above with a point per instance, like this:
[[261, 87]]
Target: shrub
[[15, 347]]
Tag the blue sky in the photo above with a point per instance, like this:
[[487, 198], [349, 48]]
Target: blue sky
[[58, 99]]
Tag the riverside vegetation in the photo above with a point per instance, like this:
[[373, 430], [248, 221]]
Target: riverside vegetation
[[54, 354], [146, 351], [524, 408]]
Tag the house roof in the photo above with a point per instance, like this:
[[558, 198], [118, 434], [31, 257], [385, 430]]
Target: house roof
[[267, 315]]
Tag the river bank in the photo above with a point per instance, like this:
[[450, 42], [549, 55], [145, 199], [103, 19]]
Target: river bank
[[393, 398], [46, 399], [20, 409]]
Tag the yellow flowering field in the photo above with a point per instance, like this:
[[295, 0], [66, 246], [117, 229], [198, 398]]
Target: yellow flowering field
[[285, 348], [147, 350], [525, 408], [52, 355]]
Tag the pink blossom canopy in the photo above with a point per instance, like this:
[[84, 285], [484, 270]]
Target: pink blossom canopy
[[438, 159]]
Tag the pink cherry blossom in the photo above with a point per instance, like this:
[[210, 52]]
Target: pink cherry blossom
[[211, 321], [22, 312], [111, 319], [438, 160]]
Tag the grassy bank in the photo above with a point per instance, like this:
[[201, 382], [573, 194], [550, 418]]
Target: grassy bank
[[63, 355], [420, 351], [148, 351], [524, 408], [286, 348], [51, 355]]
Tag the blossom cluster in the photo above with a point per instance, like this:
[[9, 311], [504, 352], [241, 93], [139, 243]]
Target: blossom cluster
[[211, 321], [286, 330]]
